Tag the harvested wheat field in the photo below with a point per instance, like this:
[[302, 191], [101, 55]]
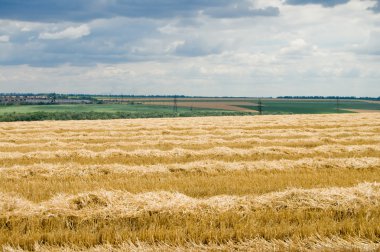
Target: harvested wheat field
[[259, 183]]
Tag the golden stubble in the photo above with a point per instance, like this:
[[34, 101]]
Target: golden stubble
[[297, 182]]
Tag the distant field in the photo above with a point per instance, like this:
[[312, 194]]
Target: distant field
[[313, 107], [109, 111], [163, 107], [105, 108], [220, 105], [261, 183], [270, 106]]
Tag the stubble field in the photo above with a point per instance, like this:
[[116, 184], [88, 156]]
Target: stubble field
[[297, 182]]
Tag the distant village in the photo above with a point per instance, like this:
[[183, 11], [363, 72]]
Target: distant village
[[40, 100]]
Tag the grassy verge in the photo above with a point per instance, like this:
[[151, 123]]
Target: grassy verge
[[43, 116]]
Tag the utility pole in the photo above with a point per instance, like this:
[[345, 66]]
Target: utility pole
[[175, 105], [53, 97], [337, 104], [260, 107]]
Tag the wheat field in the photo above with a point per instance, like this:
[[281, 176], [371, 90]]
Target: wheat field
[[261, 183]]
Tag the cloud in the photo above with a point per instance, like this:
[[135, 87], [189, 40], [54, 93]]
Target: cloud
[[376, 7], [68, 33], [86, 10], [4, 38], [194, 47], [371, 46], [197, 47], [245, 74], [241, 10], [324, 3], [297, 47], [374, 43]]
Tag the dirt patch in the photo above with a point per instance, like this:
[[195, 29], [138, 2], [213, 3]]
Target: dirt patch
[[369, 101], [363, 110], [205, 99], [232, 106]]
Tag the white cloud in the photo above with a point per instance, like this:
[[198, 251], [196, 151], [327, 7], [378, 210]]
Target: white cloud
[[172, 47], [297, 46], [372, 46], [4, 38], [168, 29], [68, 33], [307, 50]]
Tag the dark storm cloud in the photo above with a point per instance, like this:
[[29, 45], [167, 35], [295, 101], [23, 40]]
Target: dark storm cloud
[[325, 3], [103, 45], [85, 10]]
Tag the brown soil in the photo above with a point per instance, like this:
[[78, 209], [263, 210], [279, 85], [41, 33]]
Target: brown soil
[[363, 110], [232, 106]]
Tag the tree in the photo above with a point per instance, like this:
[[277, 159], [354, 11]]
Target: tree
[[260, 107]]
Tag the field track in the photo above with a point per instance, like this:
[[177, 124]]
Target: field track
[[231, 106], [272, 183], [363, 111]]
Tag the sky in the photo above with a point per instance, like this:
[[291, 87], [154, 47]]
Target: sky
[[191, 47]]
